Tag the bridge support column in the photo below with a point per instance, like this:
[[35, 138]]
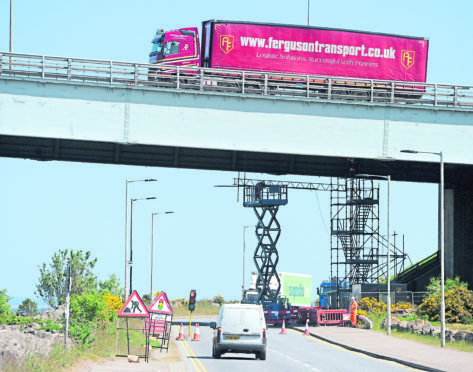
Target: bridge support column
[[463, 233]]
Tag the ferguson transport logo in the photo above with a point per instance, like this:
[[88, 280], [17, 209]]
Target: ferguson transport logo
[[408, 58], [226, 43]]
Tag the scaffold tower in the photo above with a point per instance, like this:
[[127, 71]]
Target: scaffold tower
[[358, 250], [265, 201], [354, 214]]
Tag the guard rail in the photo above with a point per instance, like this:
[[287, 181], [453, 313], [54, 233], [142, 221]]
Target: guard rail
[[236, 81]]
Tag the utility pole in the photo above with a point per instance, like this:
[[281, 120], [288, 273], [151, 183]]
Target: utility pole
[[308, 12], [66, 310], [11, 26]]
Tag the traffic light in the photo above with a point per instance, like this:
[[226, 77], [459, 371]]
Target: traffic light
[[192, 297]]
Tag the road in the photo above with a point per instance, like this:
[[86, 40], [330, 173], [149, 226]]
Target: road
[[290, 352]]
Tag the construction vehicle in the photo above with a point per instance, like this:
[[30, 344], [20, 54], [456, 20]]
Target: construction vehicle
[[328, 293]]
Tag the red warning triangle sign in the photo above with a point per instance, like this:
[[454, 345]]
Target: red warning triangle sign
[[161, 305], [134, 307]]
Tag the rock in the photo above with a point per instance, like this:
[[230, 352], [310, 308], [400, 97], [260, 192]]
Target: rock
[[366, 323], [403, 312], [436, 332], [469, 337], [427, 328], [15, 344], [394, 322], [133, 358], [448, 335], [459, 335], [403, 326], [56, 314]]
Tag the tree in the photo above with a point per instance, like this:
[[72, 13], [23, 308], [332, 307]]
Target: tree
[[111, 286], [28, 308], [4, 305], [52, 285]]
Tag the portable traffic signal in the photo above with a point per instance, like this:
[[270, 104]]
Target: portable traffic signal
[[192, 297]]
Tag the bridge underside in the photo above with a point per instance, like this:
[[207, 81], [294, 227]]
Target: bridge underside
[[50, 149]]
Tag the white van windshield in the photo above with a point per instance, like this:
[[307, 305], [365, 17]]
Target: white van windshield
[[235, 317]]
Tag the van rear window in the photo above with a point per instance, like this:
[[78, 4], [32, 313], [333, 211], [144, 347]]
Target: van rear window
[[233, 317]]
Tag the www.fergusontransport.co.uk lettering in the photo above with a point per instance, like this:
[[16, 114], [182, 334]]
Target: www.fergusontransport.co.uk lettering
[[316, 47]]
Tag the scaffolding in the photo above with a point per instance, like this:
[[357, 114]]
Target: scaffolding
[[354, 216], [358, 251], [265, 201]]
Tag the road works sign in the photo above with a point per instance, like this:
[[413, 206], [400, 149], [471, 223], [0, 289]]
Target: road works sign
[[161, 305], [134, 307]]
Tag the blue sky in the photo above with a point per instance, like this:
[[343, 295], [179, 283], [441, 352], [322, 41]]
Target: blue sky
[[55, 205]]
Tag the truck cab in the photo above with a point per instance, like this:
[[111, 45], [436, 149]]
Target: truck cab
[[178, 47]]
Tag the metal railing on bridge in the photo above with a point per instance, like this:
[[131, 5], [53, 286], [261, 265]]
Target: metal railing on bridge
[[236, 81]]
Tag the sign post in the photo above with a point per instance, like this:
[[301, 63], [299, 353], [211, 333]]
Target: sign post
[[160, 320], [134, 308]]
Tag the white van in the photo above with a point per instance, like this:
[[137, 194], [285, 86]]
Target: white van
[[240, 328]]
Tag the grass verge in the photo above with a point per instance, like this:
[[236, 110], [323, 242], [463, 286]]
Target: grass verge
[[201, 309], [425, 339]]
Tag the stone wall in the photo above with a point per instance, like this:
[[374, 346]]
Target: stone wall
[[423, 327]]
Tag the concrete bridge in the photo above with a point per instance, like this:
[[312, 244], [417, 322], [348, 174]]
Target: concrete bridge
[[55, 108]]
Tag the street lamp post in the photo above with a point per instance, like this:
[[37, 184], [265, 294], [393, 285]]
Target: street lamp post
[[388, 255], [131, 240], [244, 249], [442, 240], [126, 227], [152, 249], [308, 12], [11, 26]]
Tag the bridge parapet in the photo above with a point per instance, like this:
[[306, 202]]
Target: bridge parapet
[[299, 87]]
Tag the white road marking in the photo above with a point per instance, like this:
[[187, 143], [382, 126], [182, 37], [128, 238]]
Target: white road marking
[[294, 360]]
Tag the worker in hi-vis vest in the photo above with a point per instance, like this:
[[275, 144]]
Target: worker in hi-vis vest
[[353, 311]]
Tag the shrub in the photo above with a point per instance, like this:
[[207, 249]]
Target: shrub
[[218, 299], [458, 301], [402, 306], [12, 319], [50, 325], [88, 311], [114, 303], [430, 307], [371, 304]]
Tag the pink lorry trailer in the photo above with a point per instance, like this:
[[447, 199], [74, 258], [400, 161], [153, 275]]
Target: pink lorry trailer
[[298, 50]]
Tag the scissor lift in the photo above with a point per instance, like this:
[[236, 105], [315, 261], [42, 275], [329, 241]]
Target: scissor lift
[[265, 201]]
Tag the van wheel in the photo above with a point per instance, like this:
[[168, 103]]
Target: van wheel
[[261, 355], [216, 354]]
